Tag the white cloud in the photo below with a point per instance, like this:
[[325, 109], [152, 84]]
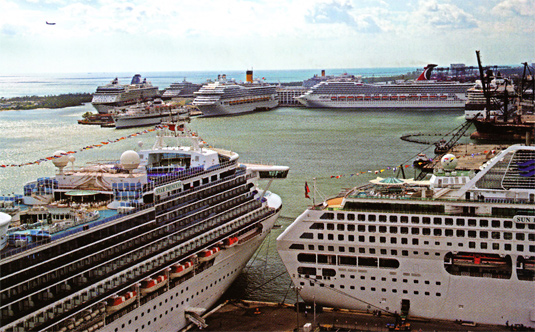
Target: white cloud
[[515, 8], [443, 16]]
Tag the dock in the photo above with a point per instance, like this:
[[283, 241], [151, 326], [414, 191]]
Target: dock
[[265, 316]]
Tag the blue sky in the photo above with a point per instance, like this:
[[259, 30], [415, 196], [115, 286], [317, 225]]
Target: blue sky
[[168, 35]]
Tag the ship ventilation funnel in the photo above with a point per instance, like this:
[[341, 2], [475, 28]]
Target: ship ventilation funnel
[[323, 73], [249, 76]]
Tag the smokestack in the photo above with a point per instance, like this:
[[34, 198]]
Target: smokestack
[[249, 76], [323, 73]]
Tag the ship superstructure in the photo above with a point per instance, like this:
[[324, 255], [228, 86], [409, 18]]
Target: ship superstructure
[[177, 225], [147, 114], [459, 246], [182, 89], [353, 93], [227, 97], [115, 94]]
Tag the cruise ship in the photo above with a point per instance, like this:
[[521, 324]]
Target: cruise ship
[[167, 231], [351, 92], [458, 246], [115, 94], [227, 97], [146, 114], [182, 89]]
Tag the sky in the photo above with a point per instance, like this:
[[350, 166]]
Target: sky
[[181, 35]]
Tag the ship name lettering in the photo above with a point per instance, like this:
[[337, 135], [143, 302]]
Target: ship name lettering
[[524, 219], [167, 188]]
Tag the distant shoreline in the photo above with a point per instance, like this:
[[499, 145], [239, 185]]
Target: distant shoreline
[[52, 102]]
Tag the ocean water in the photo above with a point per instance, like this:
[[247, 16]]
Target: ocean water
[[332, 146]]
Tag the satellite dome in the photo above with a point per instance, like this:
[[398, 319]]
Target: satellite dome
[[130, 160], [62, 160], [448, 162]]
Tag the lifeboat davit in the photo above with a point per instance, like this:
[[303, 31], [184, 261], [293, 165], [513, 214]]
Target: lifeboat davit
[[209, 254], [180, 270], [230, 242], [150, 285], [118, 302]]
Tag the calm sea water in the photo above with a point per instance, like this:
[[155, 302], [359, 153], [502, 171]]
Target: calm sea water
[[315, 143]]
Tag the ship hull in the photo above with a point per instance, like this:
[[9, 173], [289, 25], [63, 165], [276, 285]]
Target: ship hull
[[141, 121], [103, 102], [197, 294], [366, 104], [218, 109]]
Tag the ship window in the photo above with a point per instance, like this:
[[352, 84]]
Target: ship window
[[361, 228], [306, 258], [388, 263], [383, 251], [393, 218], [382, 239], [306, 270], [460, 222], [371, 217], [327, 216], [393, 240], [415, 220], [321, 248], [351, 249], [415, 242], [350, 216], [330, 227], [483, 234], [404, 240], [362, 238], [382, 229], [426, 220], [317, 225], [495, 235], [520, 226], [340, 227], [507, 224], [347, 260], [351, 238], [372, 250], [471, 244], [350, 228], [404, 219], [496, 223], [415, 230], [437, 232], [297, 246], [393, 229], [520, 236], [483, 223], [362, 251], [495, 246], [460, 233], [330, 237], [310, 247], [472, 222], [532, 248], [507, 236], [426, 231], [340, 216], [372, 239], [330, 248], [404, 230], [372, 228], [307, 236], [483, 245], [382, 218], [340, 237], [368, 261], [328, 272], [404, 252], [437, 221], [472, 233], [448, 221], [507, 246], [320, 236]]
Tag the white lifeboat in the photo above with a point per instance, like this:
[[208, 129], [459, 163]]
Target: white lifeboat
[[150, 285], [209, 254], [180, 270], [230, 242], [118, 302]]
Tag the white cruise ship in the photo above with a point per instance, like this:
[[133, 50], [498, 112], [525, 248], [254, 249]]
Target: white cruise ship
[[182, 89], [175, 226], [115, 94], [459, 246], [226, 97], [146, 114], [353, 93]]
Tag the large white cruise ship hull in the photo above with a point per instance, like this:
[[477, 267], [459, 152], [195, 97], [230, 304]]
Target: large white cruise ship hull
[[314, 102], [218, 109], [167, 312]]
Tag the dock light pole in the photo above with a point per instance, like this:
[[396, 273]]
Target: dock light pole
[[314, 297], [297, 289]]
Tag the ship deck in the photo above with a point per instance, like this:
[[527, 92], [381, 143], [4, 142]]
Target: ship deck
[[469, 156]]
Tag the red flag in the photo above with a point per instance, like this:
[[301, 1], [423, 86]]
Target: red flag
[[307, 190]]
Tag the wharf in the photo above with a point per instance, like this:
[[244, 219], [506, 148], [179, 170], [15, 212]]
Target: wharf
[[469, 156], [265, 316]]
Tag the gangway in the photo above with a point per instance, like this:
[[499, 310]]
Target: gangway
[[196, 319]]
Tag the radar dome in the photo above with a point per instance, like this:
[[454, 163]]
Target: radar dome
[[130, 160], [448, 162], [61, 159]]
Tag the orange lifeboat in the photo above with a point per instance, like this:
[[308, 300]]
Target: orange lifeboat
[[230, 242], [150, 285], [209, 254], [180, 270], [118, 302]]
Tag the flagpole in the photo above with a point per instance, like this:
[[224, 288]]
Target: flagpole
[[314, 199]]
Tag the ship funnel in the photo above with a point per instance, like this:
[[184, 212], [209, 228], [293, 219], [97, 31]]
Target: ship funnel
[[426, 75], [249, 76], [323, 73]]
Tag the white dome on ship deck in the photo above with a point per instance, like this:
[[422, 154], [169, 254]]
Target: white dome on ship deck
[[62, 160], [130, 160], [448, 162]]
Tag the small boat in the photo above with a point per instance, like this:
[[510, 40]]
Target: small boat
[[119, 302], [230, 242], [180, 270], [150, 285], [209, 254]]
